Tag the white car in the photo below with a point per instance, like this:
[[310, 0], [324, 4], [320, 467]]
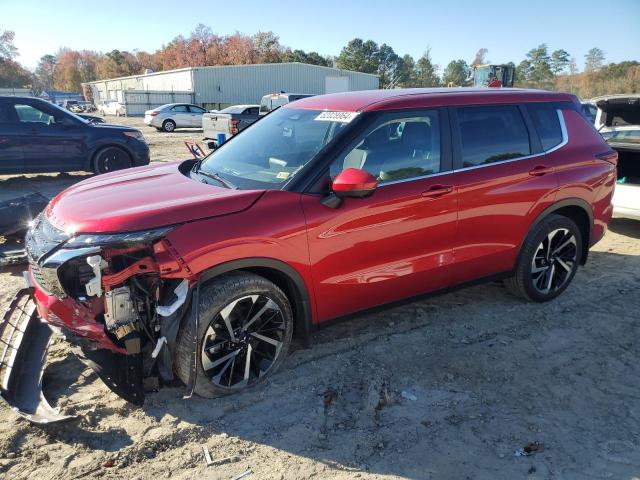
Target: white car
[[174, 115], [618, 120], [112, 107]]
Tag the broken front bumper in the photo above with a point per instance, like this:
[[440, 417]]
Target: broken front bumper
[[24, 341]]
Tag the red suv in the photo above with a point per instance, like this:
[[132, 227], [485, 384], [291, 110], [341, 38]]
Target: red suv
[[327, 206]]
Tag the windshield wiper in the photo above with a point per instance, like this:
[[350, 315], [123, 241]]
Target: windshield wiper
[[217, 178]]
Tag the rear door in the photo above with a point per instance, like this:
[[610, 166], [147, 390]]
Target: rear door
[[503, 179], [196, 115], [11, 157], [399, 241]]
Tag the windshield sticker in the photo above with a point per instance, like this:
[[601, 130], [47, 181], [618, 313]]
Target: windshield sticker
[[343, 117], [282, 175]]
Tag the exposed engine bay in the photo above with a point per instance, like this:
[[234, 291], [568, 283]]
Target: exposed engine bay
[[119, 312]]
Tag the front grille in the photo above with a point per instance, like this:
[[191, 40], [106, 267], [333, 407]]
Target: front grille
[[42, 238]]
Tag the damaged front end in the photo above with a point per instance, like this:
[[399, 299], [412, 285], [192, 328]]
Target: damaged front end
[[118, 298]]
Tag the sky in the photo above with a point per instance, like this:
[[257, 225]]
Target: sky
[[452, 29]]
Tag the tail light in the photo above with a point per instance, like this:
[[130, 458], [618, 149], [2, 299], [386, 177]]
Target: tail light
[[234, 126], [153, 114]]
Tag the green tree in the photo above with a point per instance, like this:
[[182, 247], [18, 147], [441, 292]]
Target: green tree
[[389, 67], [560, 59], [593, 60], [456, 73], [313, 58], [407, 71], [359, 56], [12, 74], [426, 73], [536, 71]]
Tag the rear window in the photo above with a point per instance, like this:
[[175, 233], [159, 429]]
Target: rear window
[[545, 119], [491, 134]]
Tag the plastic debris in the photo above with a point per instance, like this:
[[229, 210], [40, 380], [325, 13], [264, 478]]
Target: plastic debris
[[530, 449], [408, 395], [243, 474]]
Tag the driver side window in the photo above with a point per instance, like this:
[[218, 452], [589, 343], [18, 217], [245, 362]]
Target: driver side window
[[396, 147], [30, 114]]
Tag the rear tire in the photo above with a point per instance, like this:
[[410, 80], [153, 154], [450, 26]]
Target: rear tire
[[110, 159], [548, 260], [244, 333], [169, 126]]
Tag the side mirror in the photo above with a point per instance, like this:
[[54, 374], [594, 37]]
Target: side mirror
[[351, 182], [355, 183]]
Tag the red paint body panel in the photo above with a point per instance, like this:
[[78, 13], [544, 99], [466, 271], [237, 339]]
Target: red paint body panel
[[375, 250], [142, 198], [74, 317], [401, 241]]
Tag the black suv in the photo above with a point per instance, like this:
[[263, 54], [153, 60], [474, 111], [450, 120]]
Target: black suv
[[37, 136]]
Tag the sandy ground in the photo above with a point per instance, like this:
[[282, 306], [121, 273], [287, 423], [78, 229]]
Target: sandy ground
[[483, 375]]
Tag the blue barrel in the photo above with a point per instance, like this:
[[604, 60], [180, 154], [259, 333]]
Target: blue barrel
[[221, 139]]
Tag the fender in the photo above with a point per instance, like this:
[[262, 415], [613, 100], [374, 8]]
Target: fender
[[304, 323], [567, 202]]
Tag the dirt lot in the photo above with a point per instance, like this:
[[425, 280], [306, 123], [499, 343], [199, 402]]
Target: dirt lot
[[483, 375]]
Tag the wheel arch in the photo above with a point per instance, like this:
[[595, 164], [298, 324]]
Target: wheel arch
[[577, 210], [282, 275]]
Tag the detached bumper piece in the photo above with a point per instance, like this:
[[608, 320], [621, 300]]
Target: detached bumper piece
[[24, 341]]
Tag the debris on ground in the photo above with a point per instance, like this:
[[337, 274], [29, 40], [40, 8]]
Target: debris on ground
[[329, 396], [530, 448], [408, 395], [219, 461], [244, 474]]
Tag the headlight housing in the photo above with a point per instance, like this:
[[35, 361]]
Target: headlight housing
[[136, 134], [126, 239]]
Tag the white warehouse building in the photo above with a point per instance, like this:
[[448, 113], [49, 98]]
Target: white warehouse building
[[220, 86]]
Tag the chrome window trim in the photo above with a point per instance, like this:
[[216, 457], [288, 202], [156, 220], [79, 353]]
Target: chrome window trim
[[565, 140]]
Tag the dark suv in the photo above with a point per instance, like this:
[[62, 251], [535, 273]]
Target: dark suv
[[37, 136], [327, 206]]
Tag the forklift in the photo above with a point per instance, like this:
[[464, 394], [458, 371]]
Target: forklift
[[493, 75]]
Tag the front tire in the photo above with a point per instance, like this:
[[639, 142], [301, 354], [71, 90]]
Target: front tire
[[110, 159], [244, 333], [548, 260]]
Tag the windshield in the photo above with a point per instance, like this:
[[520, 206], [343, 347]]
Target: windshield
[[274, 149], [233, 109]]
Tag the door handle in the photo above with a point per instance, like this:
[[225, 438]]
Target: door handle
[[437, 191], [540, 170]]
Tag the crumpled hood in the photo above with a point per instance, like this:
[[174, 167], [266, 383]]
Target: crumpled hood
[[142, 198]]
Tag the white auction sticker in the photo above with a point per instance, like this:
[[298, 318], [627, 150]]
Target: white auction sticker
[[344, 117]]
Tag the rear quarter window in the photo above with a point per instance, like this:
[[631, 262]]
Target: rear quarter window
[[491, 134], [547, 124]]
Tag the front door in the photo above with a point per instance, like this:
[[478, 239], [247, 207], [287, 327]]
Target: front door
[[196, 116], [11, 158], [51, 140], [398, 242], [182, 116]]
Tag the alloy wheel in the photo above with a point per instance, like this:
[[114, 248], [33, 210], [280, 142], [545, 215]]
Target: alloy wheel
[[243, 341], [554, 261]]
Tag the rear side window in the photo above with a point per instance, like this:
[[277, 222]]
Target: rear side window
[[180, 109], [491, 134], [545, 119]]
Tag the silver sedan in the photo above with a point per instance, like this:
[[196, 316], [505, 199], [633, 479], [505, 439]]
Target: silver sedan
[[174, 115]]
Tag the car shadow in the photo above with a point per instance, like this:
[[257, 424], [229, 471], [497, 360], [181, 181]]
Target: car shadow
[[625, 226]]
